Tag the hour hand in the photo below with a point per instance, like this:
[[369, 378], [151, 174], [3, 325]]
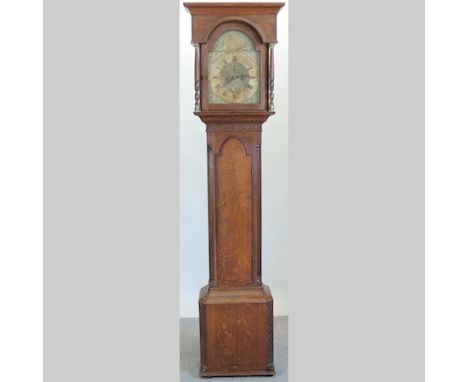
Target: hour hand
[[227, 80]]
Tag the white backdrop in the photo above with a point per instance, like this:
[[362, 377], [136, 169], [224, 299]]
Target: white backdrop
[[193, 180]]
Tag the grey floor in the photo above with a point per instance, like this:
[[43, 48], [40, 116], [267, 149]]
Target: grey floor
[[190, 353]]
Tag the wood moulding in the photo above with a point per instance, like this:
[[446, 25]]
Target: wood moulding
[[237, 117], [219, 127], [206, 16]]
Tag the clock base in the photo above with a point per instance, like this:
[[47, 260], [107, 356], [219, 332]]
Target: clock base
[[266, 373], [236, 331]]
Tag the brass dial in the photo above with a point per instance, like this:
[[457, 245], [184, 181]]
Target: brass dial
[[233, 70]]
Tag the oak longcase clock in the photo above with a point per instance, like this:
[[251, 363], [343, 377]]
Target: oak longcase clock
[[234, 83]]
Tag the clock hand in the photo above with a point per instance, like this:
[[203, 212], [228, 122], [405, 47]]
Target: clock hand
[[234, 72], [227, 82]]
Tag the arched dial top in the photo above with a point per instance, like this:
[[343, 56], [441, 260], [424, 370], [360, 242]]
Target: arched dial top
[[233, 70]]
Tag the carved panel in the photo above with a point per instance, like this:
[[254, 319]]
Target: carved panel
[[234, 213], [197, 76], [271, 78], [269, 335], [203, 338]]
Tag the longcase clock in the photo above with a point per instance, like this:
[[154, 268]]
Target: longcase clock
[[234, 96]]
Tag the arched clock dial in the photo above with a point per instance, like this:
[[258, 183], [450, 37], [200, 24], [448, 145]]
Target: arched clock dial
[[233, 70]]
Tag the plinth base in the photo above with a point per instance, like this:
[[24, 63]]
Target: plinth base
[[236, 332], [237, 374]]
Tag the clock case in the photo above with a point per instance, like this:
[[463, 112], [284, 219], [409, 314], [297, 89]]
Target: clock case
[[236, 308]]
